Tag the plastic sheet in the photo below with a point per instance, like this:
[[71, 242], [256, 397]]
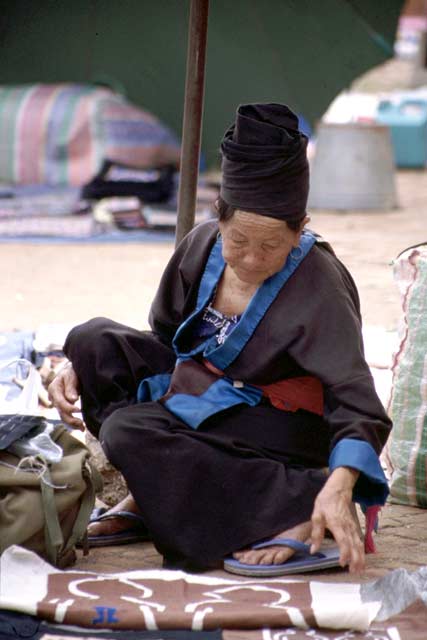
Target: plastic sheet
[[36, 441], [407, 448]]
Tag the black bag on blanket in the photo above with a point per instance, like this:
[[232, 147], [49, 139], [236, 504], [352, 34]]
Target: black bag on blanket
[[115, 179], [45, 506]]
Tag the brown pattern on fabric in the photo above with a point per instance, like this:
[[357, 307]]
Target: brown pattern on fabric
[[160, 599], [129, 601]]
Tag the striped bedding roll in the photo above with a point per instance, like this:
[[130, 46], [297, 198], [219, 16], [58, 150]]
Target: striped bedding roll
[[61, 133]]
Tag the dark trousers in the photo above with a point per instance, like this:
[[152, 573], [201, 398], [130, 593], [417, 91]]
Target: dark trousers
[[244, 475]]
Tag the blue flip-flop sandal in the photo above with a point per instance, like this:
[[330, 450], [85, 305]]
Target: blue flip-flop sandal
[[301, 562], [137, 532]]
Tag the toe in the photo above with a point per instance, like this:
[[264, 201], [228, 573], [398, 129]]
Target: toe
[[272, 555], [107, 527], [282, 554]]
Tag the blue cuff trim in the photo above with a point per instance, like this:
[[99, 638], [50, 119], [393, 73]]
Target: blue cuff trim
[[371, 488]]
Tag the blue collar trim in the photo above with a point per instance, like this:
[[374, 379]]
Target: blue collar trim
[[221, 356]]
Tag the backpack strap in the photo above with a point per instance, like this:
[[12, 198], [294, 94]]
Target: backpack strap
[[93, 485], [54, 539], [56, 548]]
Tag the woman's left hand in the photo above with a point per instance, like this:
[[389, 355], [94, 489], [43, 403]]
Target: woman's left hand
[[333, 510]]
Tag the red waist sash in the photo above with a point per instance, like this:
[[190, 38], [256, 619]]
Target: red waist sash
[[304, 392], [292, 394]]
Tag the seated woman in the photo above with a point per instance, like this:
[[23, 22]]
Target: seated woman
[[248, 412]]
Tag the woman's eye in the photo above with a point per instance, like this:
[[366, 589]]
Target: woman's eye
[[270, 247]]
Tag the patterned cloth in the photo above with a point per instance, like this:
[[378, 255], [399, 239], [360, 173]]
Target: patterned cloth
[[215, 322], [84, 226], [389, 608], [164, 599]]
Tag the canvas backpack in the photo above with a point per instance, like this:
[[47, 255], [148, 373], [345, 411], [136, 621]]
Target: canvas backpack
[[46, 507]]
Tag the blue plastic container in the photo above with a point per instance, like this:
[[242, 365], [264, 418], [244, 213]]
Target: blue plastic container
[[408, 127]]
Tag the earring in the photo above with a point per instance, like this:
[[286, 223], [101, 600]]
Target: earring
[[296, 253]]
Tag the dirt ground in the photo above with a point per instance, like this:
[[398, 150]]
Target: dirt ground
[[68, 283]]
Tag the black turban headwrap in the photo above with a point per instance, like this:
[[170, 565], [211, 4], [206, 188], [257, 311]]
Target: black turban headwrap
[[264, 162]]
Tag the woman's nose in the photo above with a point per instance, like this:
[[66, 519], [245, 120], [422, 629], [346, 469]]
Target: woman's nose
[[254, 258]]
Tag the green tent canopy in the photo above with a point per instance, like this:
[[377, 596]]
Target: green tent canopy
[[300, 52]]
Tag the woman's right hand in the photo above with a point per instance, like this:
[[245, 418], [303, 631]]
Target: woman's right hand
[[64, 393], [332, 510]]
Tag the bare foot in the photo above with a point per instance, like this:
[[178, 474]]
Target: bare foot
[[279, 554], [114, 525], [275, 555]]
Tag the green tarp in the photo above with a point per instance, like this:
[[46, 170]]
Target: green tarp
[[301, 52]]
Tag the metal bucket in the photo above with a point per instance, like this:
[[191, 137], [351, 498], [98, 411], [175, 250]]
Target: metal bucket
[[353, 167]]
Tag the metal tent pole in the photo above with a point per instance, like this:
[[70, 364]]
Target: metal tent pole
[[192, 120]]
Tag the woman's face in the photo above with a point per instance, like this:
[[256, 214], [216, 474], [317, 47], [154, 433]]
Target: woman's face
[[255, 247]]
